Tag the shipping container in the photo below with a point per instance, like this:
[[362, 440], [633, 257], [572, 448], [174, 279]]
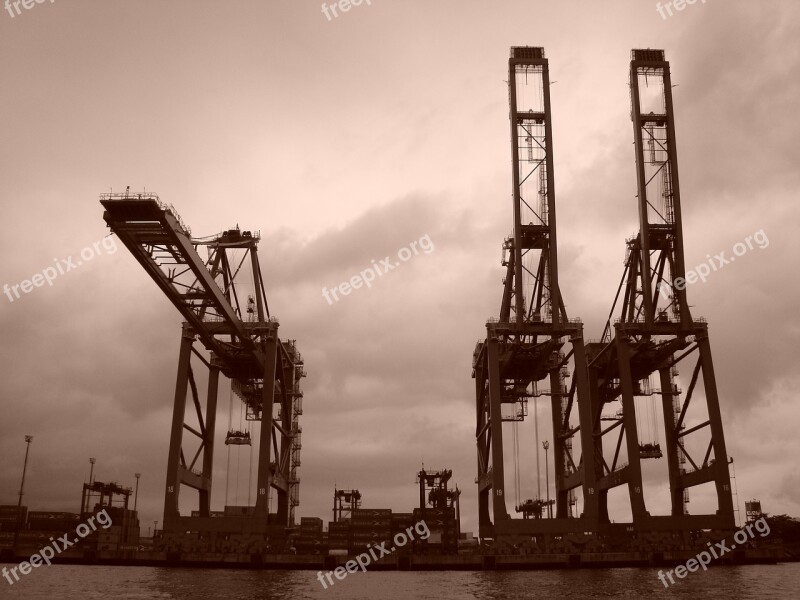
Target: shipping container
[[438, 513], [308, 541], [31, 541], [435, 518], [107, 538], [339, 546], [10, 524], [402, 516], [239, 511], [7, 510], [372, 512], [370, 537], [108, 546], [58, 521], [42, 514], [213, 513]]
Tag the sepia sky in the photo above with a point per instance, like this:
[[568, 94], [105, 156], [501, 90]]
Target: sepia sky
[[343, 141]]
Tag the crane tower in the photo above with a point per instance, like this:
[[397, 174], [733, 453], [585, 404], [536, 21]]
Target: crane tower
[[655, 334], [533, 350]]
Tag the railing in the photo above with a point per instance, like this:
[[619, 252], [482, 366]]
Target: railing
[[148, 196], [641, 319], [129, 196]]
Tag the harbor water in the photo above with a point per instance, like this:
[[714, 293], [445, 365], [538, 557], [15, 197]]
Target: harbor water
[[145, 583]]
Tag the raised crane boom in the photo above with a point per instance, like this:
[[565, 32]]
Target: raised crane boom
[[532, 350], [655, 334]]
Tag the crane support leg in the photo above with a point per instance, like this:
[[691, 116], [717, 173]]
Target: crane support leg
[[265, 445]]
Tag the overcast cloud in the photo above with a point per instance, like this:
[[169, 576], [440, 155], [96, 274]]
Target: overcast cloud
[[343, 141]]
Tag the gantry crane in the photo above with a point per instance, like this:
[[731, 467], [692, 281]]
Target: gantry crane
[[242, 345], [434, 491], [654, 334], [344, 503], [533, 343]]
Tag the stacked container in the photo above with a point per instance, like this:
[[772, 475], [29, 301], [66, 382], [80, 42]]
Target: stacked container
[[11, 516], [61, 522], [369, 526], [441, 522], [339, 535], [310, 540], [401, 522], [44, 526]]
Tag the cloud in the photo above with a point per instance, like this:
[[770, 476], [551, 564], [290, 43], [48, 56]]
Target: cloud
[[343, 143]]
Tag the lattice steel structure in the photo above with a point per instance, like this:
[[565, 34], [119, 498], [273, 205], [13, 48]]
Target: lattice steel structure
[[533, 342], [435, 494], [344, 503], [434, 489], [241, 345], [654, 335]]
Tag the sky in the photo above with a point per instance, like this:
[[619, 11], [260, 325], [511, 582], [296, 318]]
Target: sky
[[344, 140]]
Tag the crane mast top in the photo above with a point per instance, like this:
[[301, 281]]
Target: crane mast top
[[654, 267], [530, 255]]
